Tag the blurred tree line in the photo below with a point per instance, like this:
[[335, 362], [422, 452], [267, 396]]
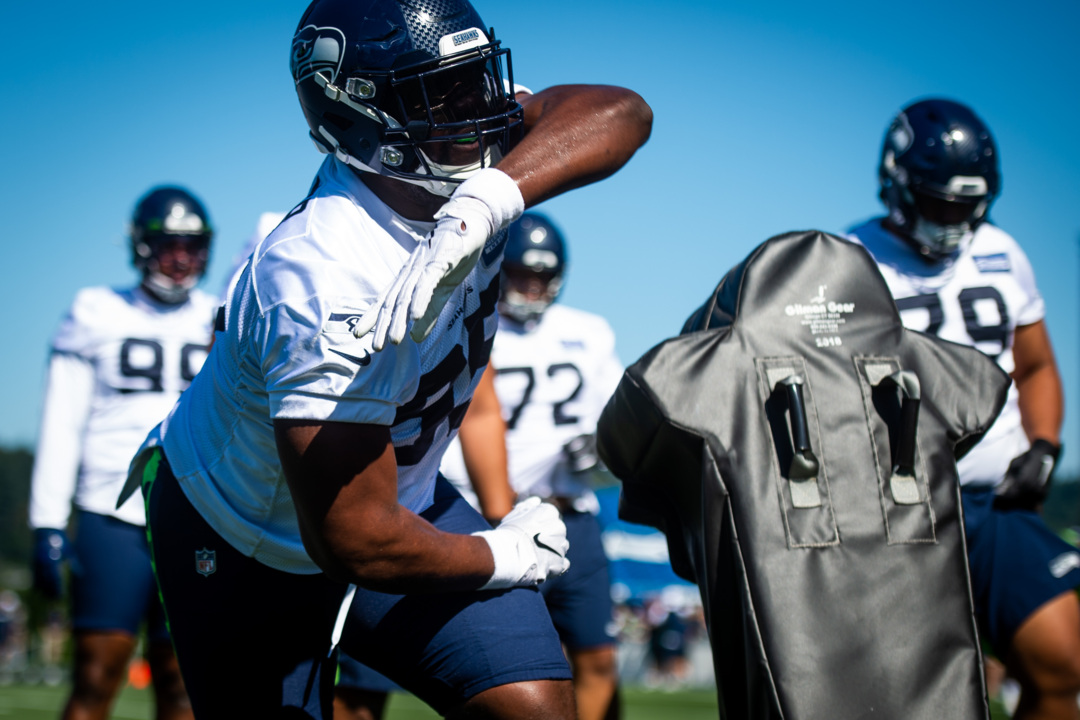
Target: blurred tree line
[[15, 466]]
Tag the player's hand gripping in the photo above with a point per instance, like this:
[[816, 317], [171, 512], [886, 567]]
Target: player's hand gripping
[[529, 546], [51, 548], [480, 207], [1027, 481]]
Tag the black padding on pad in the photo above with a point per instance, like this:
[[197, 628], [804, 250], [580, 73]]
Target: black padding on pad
[[854, 606]]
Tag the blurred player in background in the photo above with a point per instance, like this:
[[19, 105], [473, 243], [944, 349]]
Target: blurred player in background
[[119, 361], [956, 275], [302, 464], [555, 368]]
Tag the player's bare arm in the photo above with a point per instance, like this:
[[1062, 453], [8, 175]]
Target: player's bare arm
[[343, 479], [575, 135], [1038, 383], [483, 447]]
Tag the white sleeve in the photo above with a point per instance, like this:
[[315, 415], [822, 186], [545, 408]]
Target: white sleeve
[[608, 373], [68, 393], [319, 371], [1034, 309]]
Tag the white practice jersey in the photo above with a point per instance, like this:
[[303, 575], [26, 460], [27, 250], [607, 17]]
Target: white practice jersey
[[119, 361], [284, 349], [553, 379], [977, 298], [264, 226]]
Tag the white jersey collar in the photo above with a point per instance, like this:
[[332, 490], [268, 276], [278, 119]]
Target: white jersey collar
[[342, 175]]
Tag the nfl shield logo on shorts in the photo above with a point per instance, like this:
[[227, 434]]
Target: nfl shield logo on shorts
[[205, 562]]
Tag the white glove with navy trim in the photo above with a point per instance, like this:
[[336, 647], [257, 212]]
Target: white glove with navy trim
[[481, 206], [529, 546]]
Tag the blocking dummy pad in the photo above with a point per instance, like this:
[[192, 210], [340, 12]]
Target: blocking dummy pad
[[798, 447]]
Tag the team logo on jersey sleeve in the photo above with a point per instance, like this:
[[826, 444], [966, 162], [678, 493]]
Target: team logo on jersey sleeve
[[996, 263], [205, 562], [341, 322], [338, 329]]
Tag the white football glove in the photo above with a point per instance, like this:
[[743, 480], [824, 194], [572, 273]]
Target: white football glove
[[529, 546], [481, 206]]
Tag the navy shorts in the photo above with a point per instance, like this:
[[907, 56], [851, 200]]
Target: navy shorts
[[252, 640], [580, 600], [112, 581], [579, 603], [1017, 565]]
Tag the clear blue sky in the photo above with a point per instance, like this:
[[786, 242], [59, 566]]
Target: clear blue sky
[[769, 117]]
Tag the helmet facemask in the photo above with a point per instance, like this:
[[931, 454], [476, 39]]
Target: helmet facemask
[[460, 118], [172, 264], [527, 292], [936, 222], [945, 225]]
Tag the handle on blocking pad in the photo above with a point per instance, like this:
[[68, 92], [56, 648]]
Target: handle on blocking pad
[[904, 488], [804, 465], [909, 420]]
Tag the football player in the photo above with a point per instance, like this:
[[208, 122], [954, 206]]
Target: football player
[[956, 275], [119, 361], [301, 466], [555, 368], [361, 693]]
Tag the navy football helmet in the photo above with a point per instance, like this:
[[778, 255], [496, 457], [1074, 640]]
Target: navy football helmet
[[939, 175], [170, 242], [533, 265], [410, 89]]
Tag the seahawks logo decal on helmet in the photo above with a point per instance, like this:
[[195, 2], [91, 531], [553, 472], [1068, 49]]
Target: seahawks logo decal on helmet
[[317, 49]]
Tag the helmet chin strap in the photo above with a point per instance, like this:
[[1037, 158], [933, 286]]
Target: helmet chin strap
[[168, 290], [455, 174]]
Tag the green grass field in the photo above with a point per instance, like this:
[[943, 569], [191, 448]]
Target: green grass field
[[38, 702]]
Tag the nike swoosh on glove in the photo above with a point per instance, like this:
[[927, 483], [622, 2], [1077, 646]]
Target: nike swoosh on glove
[[528, 546], [481, 206], [1027, 481]]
